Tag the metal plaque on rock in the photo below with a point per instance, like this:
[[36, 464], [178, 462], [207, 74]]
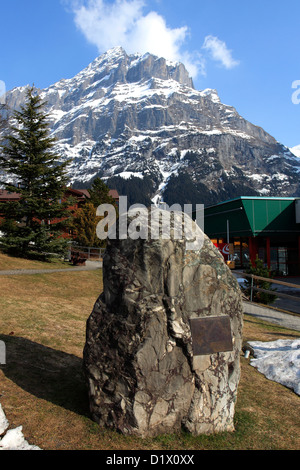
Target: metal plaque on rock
[[211, 335]]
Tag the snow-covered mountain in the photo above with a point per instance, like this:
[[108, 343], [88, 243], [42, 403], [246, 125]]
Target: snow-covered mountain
[[139, 116]]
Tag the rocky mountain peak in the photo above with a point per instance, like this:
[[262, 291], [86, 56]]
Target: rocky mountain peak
[[137, 120], [117, 66]]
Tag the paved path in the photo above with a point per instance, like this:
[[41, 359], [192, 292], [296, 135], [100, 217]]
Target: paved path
[[271, 315], [17, 272], [279, 315]]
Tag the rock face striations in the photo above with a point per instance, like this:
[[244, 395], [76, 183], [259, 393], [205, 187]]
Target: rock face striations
[[156, 358], [139, 115]]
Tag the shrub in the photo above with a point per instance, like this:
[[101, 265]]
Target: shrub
[[258, 269]]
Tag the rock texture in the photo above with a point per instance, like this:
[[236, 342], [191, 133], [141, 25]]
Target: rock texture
[[142, 375]]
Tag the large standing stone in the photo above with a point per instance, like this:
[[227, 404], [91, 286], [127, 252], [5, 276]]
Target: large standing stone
[[143, 375]]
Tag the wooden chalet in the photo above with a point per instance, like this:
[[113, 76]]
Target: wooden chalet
[[79, 196]]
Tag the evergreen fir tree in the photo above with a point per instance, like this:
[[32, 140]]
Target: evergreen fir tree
[[84, 225], [99, 194], [258, 269], [34, 222]]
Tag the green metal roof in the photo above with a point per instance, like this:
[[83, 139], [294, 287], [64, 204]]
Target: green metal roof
[[251, 216]]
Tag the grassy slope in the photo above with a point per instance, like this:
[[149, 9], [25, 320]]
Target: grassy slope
[[10, 262], [42, 320]]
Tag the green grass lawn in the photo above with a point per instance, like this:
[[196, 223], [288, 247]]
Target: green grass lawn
[[43, 320]]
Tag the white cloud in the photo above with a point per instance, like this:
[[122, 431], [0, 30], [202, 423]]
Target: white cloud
[[107, 24], [219, 51], [153, 35], [123, 23], [296, 150]]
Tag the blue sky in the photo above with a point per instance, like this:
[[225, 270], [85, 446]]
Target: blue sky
[[247, 51]]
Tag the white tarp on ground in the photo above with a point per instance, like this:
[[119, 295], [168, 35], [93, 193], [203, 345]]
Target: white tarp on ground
[[13, 439], [278, 361]]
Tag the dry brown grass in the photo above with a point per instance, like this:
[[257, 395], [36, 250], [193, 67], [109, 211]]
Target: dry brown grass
[[43, 320], [49, 308], [11, 262], [276, 409]]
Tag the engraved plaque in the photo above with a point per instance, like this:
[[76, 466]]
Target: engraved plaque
[[211, 335]]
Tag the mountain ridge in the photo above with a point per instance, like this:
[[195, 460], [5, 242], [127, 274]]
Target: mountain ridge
[[125, 117]]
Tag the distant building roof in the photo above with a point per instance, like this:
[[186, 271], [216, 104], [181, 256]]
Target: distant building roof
[[114, 193], [85, 192], [8, 196], [78, 193], [82, 193], [252, 216], [257, 198]]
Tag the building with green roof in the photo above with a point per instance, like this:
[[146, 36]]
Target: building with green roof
[[267, 227]]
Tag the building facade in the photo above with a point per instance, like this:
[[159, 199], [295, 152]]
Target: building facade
[[267, 227]]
